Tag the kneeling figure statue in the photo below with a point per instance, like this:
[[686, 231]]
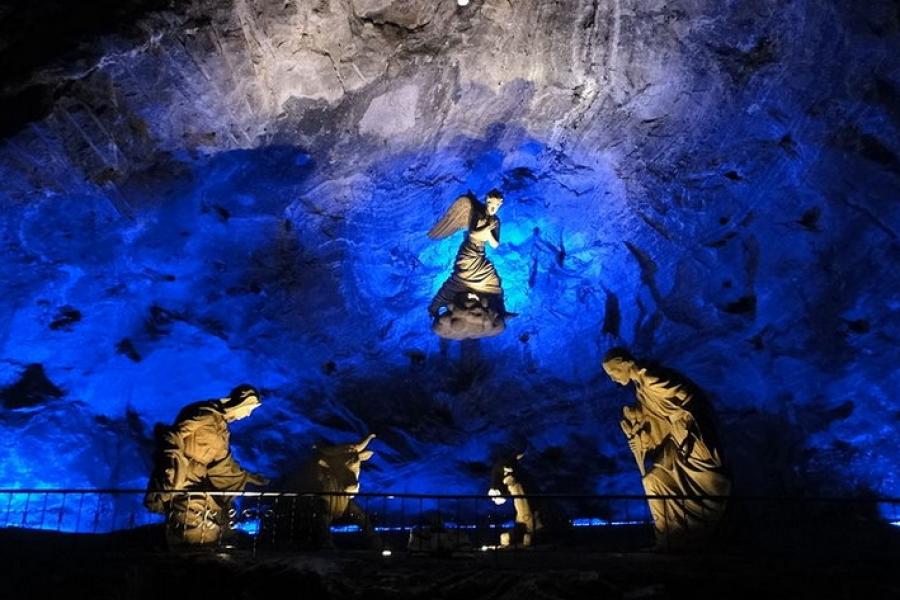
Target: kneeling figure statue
[[194, 458], [671, 427]]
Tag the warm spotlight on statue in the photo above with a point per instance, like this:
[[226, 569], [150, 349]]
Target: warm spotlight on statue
[[671, 428], [506, 481], [193, 457]]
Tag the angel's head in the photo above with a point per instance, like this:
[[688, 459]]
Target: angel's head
[[493, 202]]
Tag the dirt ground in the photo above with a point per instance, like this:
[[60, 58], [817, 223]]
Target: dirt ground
[[132, 566]]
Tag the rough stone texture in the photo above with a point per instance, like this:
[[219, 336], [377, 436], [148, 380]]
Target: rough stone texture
[[391, 113], [240, 190]]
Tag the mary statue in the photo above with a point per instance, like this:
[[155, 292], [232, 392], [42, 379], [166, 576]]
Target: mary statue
[[671, 428], [470, 304]]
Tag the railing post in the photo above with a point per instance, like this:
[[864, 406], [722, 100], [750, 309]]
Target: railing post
[[43, 510], [78, 514], [8, 508], [666, 524], [25, 510], [115, 513], [403, 526], [373, 523], [261, 520], [276, 517], [96, 516], [204, 517], [896, 519], [62, 508]]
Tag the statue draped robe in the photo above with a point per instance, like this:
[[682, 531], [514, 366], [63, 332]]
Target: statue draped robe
[[679, 439], [472, 272], [195, 455]]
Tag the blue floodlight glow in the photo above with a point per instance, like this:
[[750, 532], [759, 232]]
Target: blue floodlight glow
[[72, 513], [250, 527], [596, 522], [394, 528], [755, 254]]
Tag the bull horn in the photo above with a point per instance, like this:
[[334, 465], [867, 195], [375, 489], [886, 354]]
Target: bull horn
[[365, 442]]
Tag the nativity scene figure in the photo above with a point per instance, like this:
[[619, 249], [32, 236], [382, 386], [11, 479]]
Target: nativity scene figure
[[470, 305], [327, 483], [670, 430], [508, 480], [193, 458]]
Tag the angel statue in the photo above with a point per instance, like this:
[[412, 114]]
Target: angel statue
[[469, 304]]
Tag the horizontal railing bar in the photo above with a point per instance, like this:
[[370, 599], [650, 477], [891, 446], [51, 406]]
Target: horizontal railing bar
[[403, 495]]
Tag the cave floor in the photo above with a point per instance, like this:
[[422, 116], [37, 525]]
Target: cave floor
[[47, 565]]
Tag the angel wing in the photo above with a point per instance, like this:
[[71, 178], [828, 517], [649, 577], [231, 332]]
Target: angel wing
[[456, 217]]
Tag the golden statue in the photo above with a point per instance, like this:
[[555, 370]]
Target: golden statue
[[469, 304], [506, 481], [671, 427], [193, 457]]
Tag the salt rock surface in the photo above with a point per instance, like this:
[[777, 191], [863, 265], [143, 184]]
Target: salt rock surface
[[239, 191]]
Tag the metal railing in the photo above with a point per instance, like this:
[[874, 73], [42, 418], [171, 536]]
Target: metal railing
[[453, 524]]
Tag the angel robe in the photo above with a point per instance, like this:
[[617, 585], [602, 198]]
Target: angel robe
[[472, 271]]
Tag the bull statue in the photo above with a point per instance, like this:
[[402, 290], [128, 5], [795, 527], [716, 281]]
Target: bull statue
[[325, 485], [507, 480]]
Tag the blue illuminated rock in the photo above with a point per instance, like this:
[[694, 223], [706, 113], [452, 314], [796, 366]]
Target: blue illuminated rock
[[238, 191]]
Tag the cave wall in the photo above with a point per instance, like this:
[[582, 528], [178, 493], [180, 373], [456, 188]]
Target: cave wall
[[216, 192]]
